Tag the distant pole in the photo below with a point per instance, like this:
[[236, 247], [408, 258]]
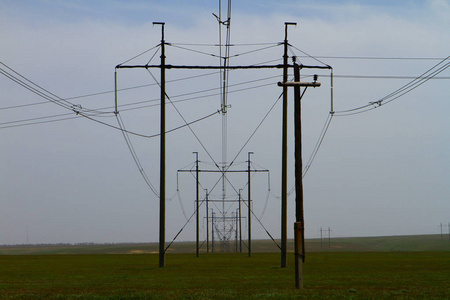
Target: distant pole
[[329, 237], [196, 205], [162, 167], [207, 222], [237, 229], [284, 152], [449, 231], [320, 237], [441, 233], [240, 223], [249, 209], [212, 231]]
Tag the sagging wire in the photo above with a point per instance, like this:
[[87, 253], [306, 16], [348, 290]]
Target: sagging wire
[[318, 144], [135, 156], [42, 92], [413, 84]]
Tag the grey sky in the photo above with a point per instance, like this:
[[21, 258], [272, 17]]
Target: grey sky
[[383, 172]]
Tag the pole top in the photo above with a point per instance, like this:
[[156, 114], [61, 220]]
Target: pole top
[[290, 23], [159, 23]]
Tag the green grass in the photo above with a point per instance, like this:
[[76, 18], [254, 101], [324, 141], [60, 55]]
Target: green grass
[[339, 275]]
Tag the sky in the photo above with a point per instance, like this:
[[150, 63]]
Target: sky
[[69, 179]]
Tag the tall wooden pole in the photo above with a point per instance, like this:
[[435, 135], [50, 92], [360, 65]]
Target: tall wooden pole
[[284, 152], [299, 231], [162, 174], [299, 224]]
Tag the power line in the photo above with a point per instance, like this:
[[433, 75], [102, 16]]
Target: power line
[[35, 90], [231, 45], [375, 58], [213, 73], [415, 83], [154, 135], [41, 92], [40, 122], [135, 103], [255, 50], [111, 91], [307, 55], [146, 51], [192, 50], [256, 129], [186, 123], [246, 142], [318, 143], [78, 110], [176, 96], [134, 155], [384, 77]]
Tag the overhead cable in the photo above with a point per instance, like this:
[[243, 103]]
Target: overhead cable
[[318, 143], [146, 51], [186, 123], [135, 156], [415, 83]]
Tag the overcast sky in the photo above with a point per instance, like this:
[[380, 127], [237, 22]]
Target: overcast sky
[[68, 179]]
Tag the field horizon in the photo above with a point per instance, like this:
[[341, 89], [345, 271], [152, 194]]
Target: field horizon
[[431, 242]]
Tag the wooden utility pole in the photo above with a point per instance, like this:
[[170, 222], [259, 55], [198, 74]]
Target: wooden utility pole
[[212, 231], [237, 231], [162, 166], [196, 205], [321, 237], [207, 221], [249, 209], [329, 237], [284, 152], [240, 223], [299, 226]]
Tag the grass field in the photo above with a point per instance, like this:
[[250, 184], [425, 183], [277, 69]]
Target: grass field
[[358, 244], [335, 275]]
